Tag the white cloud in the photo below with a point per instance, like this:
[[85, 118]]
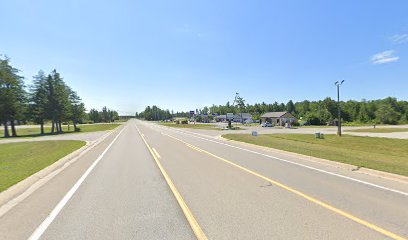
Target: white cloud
[[384, 57], [400, 38]]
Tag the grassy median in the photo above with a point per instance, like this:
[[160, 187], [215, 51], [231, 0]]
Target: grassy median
[[389, 155], [35, 132], [20, 160], [379, 130]]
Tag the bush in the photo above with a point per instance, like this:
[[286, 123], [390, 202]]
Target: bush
[[295, 124], [87, 122]]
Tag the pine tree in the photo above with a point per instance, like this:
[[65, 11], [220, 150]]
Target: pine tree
[[12, 96], [38, 99], [77, 110]]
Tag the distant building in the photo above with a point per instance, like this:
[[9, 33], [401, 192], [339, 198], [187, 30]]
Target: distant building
[[278, 118], [243, 117], [221, 118]]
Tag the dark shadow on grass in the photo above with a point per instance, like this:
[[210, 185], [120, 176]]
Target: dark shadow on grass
[[36, 135]]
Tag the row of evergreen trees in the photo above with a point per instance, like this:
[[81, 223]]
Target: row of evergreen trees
[[385, 111], [106, 115], [155, 113], [49, 98]]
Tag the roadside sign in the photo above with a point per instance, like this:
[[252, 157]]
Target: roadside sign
[[230, 116]]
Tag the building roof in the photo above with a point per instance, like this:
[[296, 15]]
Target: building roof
[[275, 115]]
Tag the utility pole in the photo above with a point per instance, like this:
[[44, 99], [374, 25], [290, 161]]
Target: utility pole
[[233, 104], [339, 107]]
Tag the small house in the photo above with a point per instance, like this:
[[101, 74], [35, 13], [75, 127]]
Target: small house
[[278, 118]]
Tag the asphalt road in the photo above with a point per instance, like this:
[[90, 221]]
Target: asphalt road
[[151, 182]]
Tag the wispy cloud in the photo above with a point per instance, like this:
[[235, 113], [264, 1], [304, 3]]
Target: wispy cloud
[[384, 57], [400, 38], [187, 29]]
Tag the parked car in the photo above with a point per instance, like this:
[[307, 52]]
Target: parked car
[[266, 124]]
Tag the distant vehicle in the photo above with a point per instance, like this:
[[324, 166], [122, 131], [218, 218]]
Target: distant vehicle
[[248, 121], [305, 124], [266, 124]]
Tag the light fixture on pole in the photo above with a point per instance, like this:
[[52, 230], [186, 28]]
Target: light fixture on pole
[[339, 107]]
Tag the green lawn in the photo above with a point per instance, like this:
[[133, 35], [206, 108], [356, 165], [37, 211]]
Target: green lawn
[[390, 155], [35, 132], [20, 160], [380, 130], [192, 126]]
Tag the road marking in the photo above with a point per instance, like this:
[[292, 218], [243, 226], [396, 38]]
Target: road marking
[[190, 218], [193, 147], [10, 204], [301, 194], [297, 164], [156, 153], [54, 213]]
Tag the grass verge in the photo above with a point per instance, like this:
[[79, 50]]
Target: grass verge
[[380, 130], [35, 132], [389, 155], [20, 160]]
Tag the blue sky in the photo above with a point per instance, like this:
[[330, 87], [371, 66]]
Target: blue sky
[[184, 55]]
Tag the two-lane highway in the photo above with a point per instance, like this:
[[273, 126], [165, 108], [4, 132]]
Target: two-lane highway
[[240, 194], [152, 182]]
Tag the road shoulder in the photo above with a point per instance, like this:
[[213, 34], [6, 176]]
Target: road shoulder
[[18, 192]]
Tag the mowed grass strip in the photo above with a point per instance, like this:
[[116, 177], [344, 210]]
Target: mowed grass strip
[[35, 132], [379, 130], [192, 126], [384, 154], [20, 160]]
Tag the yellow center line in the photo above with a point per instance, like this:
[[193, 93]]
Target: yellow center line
[[193, 147], [156, 153], [299, 193], [198, 232]]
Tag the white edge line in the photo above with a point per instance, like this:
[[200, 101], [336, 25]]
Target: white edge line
[[299, 164], [39, 231], [15, 201]]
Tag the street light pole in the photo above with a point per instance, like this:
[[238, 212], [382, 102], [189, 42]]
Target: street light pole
[[234, 106], [339, 107]]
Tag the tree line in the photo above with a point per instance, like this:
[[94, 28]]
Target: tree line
[[155, 113], [47, 99], [385, 111], [106, 115]]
